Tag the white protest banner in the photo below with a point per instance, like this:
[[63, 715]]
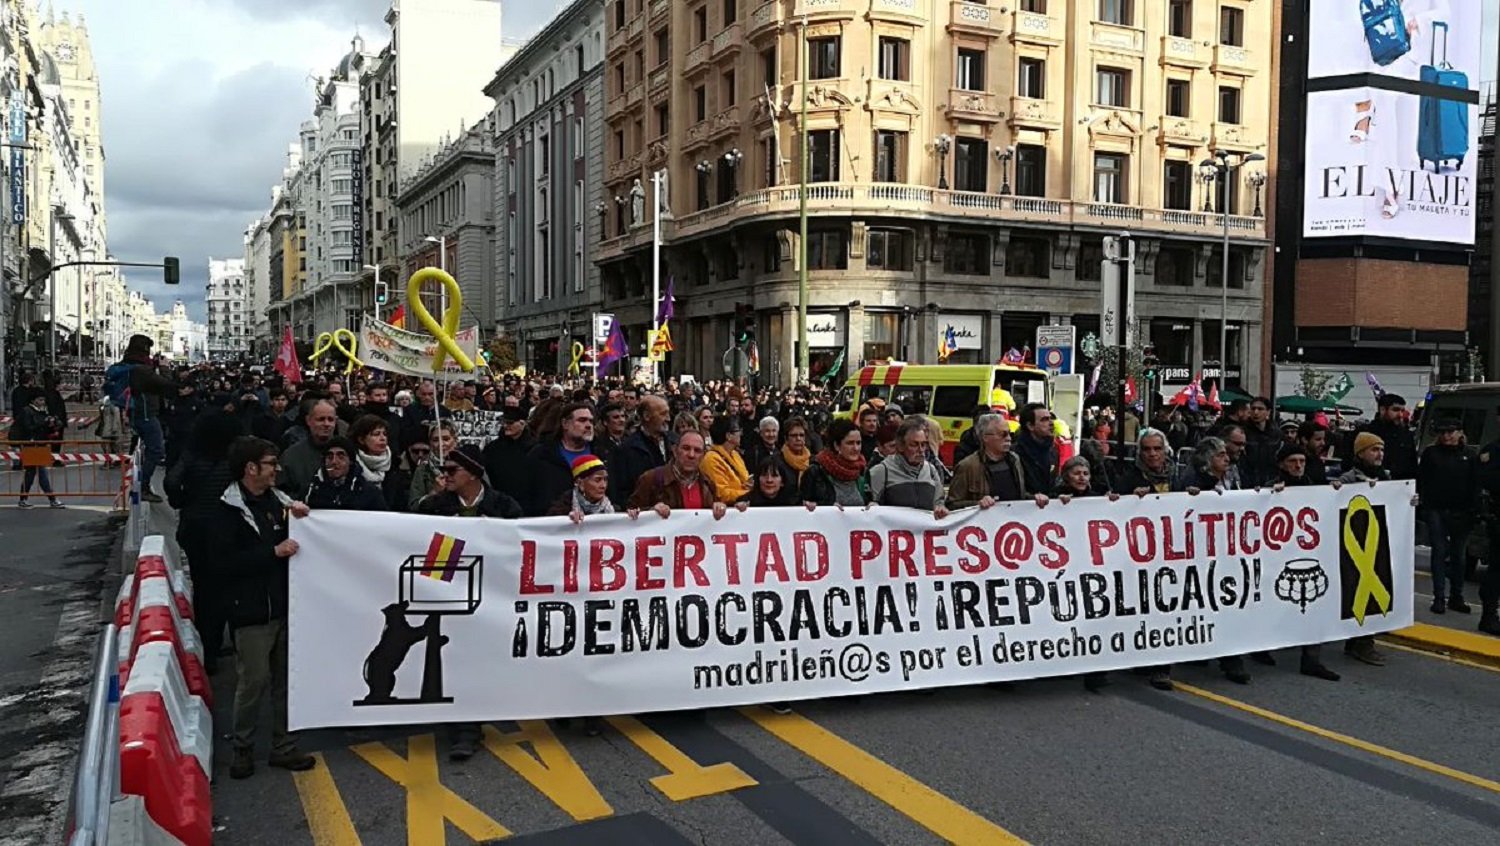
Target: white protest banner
[[385, 347], [476, 427], [407, 619]]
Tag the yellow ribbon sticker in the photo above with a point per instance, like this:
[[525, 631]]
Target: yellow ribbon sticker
[[573, 367], [445, 333], [1362, 552]]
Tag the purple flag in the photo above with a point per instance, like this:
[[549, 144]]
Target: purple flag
[[614, 349], [668, 308], [1374, 385]]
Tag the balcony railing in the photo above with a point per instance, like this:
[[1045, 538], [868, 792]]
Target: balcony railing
[[1034, 28], [697, 57], [976, 18], [1116, 37], [1231, 59], [973, 105], [765, 16], [1184, 52], [1031, 112], [659, 78], [730, 38], [660, 8], [822, 9]]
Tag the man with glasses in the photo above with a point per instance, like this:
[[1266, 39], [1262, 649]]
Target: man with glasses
[[994, 473], [1235, 441], [250, 546], [464, 494], [550, 462], [1037, 448]]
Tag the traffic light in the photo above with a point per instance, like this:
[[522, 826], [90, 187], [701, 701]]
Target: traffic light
[[1149, 363], [382, 292], [744, 324], [171, 270]]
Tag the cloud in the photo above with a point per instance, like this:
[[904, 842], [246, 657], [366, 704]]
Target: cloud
[[333, 11]]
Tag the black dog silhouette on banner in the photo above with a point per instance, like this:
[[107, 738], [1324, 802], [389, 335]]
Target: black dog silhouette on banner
[[445, 563]]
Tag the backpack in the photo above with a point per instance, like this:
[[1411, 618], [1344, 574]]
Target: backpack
[[117, 385]]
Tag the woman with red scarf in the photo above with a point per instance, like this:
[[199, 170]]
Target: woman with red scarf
[[836, 475]]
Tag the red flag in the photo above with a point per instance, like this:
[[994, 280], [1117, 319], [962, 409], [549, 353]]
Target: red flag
[[1130, 390], [398, 317], [1213, 396], [286, 360]]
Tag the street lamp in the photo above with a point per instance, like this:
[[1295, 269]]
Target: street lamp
[[57, 215], [942, 144], [1004, 157], [442, 242], [1257, 180], [1218, 169], [732, 161]]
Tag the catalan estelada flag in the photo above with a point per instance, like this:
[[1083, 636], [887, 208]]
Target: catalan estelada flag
[[442, 557]]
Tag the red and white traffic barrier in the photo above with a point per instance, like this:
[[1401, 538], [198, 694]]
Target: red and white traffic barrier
[[73, 457], [165, 721], [72, 421]]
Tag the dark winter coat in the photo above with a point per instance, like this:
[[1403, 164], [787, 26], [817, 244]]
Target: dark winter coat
[[351, 493], [491, 503], [1448, 479], [196, 483], [548, 476], [636, 456], [244, 552], [505, 464]]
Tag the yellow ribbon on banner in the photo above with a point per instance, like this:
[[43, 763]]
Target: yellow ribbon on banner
[[446, 333], [575, 365], [1362, 552]]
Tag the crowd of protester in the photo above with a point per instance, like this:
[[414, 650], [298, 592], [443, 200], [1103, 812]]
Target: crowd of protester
[[243, 449]]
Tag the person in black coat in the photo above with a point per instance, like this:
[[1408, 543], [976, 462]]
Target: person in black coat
[[33, 423], [248, 539], [641, 452], [195, 487], [505, 457], [338, 486], [1448, 485]]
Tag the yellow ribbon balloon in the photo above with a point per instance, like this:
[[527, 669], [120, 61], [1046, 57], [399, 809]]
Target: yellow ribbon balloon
[[347, 343], [577, 358], [446, 332], [322, 345]]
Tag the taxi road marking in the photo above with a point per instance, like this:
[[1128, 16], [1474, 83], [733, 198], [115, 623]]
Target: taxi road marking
[[686, 778], [327, 816], [929, 808], [1363, 745], [549, 767], [428, 803]]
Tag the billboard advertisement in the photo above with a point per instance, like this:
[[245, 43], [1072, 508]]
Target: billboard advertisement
[[1397, 38], [1390, 164]]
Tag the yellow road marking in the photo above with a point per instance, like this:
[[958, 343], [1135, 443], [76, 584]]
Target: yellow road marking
[[549, 767], [1363, 745], [327, 816], [929, 808], [428, 803], [1441, 656], [1446, 638], [686, 778]]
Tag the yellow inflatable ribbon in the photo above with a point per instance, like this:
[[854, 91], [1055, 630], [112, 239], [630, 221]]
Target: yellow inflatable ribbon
[[573, 368], [322, 345], [346, 342], [446, 333]]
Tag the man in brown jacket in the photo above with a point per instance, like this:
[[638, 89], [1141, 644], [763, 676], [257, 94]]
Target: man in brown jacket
[[678, 484], [993, 474]]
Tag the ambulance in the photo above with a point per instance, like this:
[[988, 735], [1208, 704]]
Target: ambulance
[[949, 393]]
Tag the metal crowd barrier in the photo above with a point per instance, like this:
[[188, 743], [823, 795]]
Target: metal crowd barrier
[[75, 468], [97, 783]]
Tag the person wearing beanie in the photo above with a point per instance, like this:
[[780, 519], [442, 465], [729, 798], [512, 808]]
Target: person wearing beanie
[[465, 494], [338, 486], [1448, 485], [1391, 427], [590, 493], [1292, 462], [1368, 467]]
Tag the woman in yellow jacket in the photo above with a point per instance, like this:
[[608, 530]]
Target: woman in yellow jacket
[[723, 464]]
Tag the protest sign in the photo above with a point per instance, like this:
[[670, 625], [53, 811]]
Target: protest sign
[[476, 427], [385, 347], [408, 619]]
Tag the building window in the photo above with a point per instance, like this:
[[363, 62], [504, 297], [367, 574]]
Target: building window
[[1179, 98], [728, 98], [889, 249], [700, 104], [1229, 104], [1031, 79], [619, 143], [1177, 186], [768, 74], [895, 59], [1036, 6], [823, 150], [731, 11], [727, 177], [619, 14], [1027, 257], [823, 58], [619, 77], [1232, 26], [1117, 11], [890, 156], [827, 249], [971, 167], [1090, 260], [1174, 267], [663, 120], [768, 155], [703, 189], [544, 149], [1236, 268], [1180, 18], [969, 74], [1112, 87], [968, 254], [700, 23], [1110, 178], [1031, 170]]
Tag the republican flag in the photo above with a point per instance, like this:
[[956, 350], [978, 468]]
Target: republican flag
[[752, 354], [668, 308], [615, 348], [1374, 385], [443, 556], [398, 317], [1013, 356], [286, 359], [949, 345], [1213, 397]]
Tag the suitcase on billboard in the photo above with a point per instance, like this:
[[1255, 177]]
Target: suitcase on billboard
[[1442, 125], [1385, 30]]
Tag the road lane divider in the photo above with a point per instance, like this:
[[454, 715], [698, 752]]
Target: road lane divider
[[1478, 648], [549, 767], [685, 778], [924, 805], [429, 804], [1347, 740], [327, 816]]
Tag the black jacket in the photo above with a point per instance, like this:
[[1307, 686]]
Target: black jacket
[[1038, 461], [505, 464], [1258, 464], [147, 387], [255, 580], [548, 477], [1400, 448], [1448, 478], [35, 425], [492, 503], [351, 493], [635, 457], [196, 483], [1131, 479]]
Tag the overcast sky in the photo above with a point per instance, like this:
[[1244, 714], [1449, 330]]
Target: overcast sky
[[201, 98]]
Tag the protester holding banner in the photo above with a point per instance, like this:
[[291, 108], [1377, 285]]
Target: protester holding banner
[[677, 485], [907, 478], [795, 457], [723, 465], [1292, 464], [993, 474], [248, 536], [770, 487], [588, 495], [339, 486], [836, 475]]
